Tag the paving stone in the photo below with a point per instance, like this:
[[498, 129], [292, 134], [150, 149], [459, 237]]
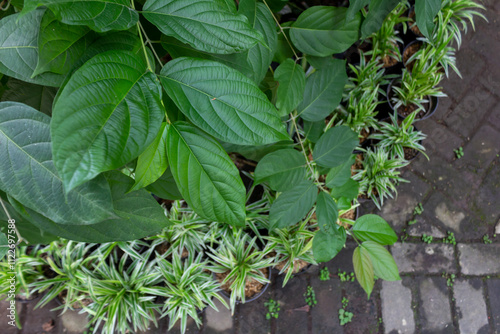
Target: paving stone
[[218, 322], [493, 292], [470, 306], [5, 327], [34, 320], [494, 117], [443, 109], [397, 312], [424, 258], [343, 260], [191, 327], [293, 315], [482, 149], [435, 310], [324, 315], [73, 322], [365, 319], [252, 316], [440, 139], [424, 227], [479, 259], [486, 203], [497, 228]]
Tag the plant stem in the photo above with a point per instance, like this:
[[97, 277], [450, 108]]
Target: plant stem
[[19, 238]]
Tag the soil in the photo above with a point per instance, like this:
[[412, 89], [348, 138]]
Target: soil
[[364, 136], [300, 265], [358, 165], [410, 153], [413, 25], [388, 61], [351, 214], [252, 287], [407, 110], [409, 52]]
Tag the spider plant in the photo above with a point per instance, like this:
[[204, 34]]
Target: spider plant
[[360, 112], [239, 258], [292, 244], [397, 135], [378, 178], [188, 289], [123, 290]]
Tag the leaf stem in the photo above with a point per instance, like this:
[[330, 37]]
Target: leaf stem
[[19, 238]]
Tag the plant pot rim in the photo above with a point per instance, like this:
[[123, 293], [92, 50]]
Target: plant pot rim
[[254, 297], [36, 295]]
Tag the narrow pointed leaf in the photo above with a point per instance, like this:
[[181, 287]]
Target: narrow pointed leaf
[[207, 178], [29, 176], [106, 115], [292, 82], [326, 246], [363, 268], [281, 169], [374, 228], [327, 213], [426, 11], [206, 25], [335, 147], [222, 102], [384, 265]]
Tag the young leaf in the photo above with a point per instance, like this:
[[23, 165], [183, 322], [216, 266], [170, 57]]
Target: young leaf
[[233, 110], [374, 228], [165, 187], [323, 30], [292, 82], [19, 49], [338, 176], [29, 176], [363, 268], [323, 91], [378, 11], [99, 15], [327, 213], [205, 25], [349, 190], [313, 130], [384, 265], [281, 169], [326, 246], [153, 162], [35, 96], [106, 115], [426, 11], [335, 147], [60, 45], [292, 205], [207, 178]]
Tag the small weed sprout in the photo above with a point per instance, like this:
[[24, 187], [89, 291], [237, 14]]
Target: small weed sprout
[[345, 317], [459, 152], [418, 209], [450, 239], [310, 296], [346, 277], [450, 279], [273, 309], [486, 239], [324, 274], [427, 238]]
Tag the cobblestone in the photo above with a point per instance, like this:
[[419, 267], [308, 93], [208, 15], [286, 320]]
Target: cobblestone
[[435, 310], [479, 259], [471, 307], [396, 308], [423, 258]]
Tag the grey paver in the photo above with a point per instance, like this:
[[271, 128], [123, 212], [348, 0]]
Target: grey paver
[[252, 316], [435, 310], [471, 307], [218, 322], [6, 322], [73, 322], [324, 315], [365, 312], [397, 312], [293, 315], [482, 149], [440, 139], [479, 259], [420, 228], [486, 201], [424, 258], [494, 291]]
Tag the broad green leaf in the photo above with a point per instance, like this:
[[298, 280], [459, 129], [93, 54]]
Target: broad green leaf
[[363, 268], [292, 82], [384, 265], [99, 15], [29, 176], [139, 216], [222, 102], [276, 5], [349, 190], [374, 228], [323, 91], [230, 5], [19, 49], [343, 203], [60, 45], [292, 205], [378, 11], [153, 162], [35, 96], [207, 178], [206, 25], [314, 130], [335, 147], [338, 176], [257, 153], [284, 49], [281, 169], [327, 213], [165, 187], [426, 11], [326, 246], [354, 7], [4, 245], [320, 62], [106, 115], [323, 30]]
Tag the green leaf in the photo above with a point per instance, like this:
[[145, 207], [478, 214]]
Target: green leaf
[[233, 110], [29, 176], [207, 178], [326, 246], [153, 162], [165, 187], [327, 213], [292, 205], [363, 268], [426, 11], [374, 228], [4, 245], [206, 25], [99, 15], [354, 7], [313, 130], [281, 169], [60, 45], [106, 115], [338, 176], [257, 153], [139, 216], [19, 49], [384, 265], [335, 147], [35, 96], [348, 190], [292, 82], [323, 30], [323, 91], [378, 11]]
